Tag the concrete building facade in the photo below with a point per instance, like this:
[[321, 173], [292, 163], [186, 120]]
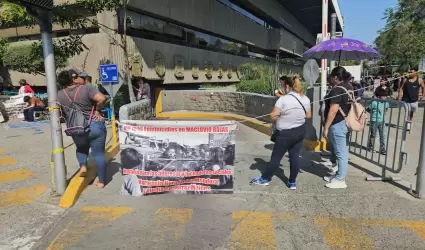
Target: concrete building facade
[[192, 41]]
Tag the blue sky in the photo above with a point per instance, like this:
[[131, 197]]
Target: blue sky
[[363, 18]]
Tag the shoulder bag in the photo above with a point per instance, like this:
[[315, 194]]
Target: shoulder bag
[[274, 134]]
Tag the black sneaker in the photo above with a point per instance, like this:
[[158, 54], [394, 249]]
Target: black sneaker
[[382, 152]]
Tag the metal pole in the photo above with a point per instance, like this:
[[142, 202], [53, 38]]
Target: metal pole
[[325, 4], [333, 35], [55, 126], [420, 175], [114, 125]]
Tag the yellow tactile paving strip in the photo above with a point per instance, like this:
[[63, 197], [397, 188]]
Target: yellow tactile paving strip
[[20, 196], [90, 219], [249, 229]]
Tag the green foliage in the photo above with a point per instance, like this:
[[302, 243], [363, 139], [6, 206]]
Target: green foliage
[[15, 15], [349, 63], [3, 48], [213, 86], [121, 98], [250, 71], [254, 86], [29, 58], [261, 79], [265, 76], [400, 41]]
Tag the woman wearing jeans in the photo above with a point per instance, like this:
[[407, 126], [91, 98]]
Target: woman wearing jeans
[[88, 99], [335, 129], [290, 112]]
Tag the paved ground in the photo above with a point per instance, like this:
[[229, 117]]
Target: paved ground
[[27, 209], [367, 215]]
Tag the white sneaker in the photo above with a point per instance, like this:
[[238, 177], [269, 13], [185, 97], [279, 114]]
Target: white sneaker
[[335, 183], [329, 178]]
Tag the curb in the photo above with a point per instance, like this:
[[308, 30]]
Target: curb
[[258, 125], [78, 184]]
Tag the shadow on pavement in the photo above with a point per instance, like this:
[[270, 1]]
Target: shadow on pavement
[[111, 169], [373, 174], [261, 165], [308, 163]]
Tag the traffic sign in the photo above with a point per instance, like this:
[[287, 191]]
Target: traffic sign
[[108, 73], [112, 88], [311, 71]]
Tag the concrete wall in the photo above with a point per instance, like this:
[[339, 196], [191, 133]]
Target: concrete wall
[[140, 110], [100, 47], [248, 104], [218, 101], [147, 49]]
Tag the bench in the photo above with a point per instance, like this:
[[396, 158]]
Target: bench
[[41, 115]]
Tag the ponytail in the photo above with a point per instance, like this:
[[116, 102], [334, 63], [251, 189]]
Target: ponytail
[[297, 86]]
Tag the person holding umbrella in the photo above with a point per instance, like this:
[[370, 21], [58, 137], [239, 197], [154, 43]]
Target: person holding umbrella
[[335, 129]]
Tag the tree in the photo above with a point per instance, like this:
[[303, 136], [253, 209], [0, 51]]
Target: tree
[[350, 63], [400, 41], [29, 58], [14, 15]]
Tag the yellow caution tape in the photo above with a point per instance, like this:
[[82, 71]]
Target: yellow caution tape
[[58, 150], [53, 108]]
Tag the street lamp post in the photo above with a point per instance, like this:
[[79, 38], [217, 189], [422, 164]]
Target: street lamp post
[[42, 11], [325, 6]]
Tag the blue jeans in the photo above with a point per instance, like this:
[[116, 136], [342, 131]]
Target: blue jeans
[[95, 140], [380, 126], [338, 137], [290, 140], [29, 113]]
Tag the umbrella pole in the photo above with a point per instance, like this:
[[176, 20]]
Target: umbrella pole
[[339, 61]]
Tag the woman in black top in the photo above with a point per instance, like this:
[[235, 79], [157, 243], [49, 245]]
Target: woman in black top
[[335, 129]]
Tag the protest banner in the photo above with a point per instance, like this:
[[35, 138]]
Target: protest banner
[[184, 157]]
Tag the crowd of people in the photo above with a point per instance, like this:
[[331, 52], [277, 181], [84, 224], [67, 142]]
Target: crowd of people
[[292, 110], [289, 115]]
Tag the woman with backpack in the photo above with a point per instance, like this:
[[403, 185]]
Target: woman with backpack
[[81, 105], [335, 129]]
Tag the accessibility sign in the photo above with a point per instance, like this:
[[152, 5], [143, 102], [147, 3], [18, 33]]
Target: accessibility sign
[[109, 73]]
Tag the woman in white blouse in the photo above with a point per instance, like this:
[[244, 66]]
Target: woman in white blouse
[[290, 112]]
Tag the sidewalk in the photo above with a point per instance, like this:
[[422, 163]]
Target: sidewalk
[[27, 209], [366, 215]]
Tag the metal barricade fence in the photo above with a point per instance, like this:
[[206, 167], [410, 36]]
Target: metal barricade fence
[[388, 152]]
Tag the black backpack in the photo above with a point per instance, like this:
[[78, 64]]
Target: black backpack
[[76, 122]]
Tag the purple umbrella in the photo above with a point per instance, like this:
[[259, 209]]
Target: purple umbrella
[[342, 49]]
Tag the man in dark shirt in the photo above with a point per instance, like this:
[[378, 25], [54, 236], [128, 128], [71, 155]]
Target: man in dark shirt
[[409, 93]]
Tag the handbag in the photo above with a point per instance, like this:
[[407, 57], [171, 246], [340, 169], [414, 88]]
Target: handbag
[[275, 132]]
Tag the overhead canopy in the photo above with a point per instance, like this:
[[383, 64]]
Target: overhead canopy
[[42, 4], [309, 13]]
